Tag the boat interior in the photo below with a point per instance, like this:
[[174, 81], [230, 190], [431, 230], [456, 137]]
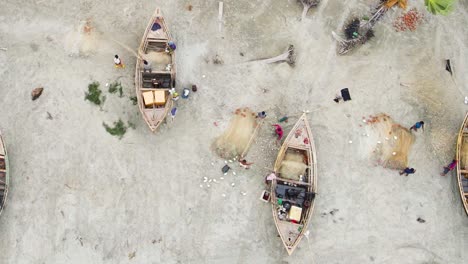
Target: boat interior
[[292, 190], [464, 164], [3, 182], [156, 80]]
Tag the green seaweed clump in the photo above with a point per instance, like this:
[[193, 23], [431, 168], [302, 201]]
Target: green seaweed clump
[[118, 130], [94, 94], [116, 86]]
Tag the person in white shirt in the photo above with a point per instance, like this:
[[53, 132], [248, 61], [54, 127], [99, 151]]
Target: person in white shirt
[[118, 62]]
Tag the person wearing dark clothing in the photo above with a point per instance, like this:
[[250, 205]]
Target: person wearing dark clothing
[[408, 171], [417, 126], [449, 167]]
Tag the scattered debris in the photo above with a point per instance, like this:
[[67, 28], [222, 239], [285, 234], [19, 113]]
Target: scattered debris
[[241, 53], [218, 60], [132, 255], [448, 67], [36, 92], [189, 7], [408, 21], [332, 212], [194, 88], [4, 49], [49, 116], [420, 220], [87, 28], [352, 28], [225, 169], [80, 239], [134, 100], [265, 196]]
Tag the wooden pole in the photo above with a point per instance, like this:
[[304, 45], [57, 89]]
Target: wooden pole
[[251, 138]]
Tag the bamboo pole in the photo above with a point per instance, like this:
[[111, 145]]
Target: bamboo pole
[[251, 138]]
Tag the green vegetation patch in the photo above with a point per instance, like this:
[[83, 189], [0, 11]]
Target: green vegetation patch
[[118, 130], [94, 94]]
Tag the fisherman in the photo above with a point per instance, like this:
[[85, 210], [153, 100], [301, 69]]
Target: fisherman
[[244, 164], [173, 113], [408, 171], [270, 177], [261, 114], [417, 126], [449, 167], [118, 62], [171, 46], [278, 131], [146, 66]]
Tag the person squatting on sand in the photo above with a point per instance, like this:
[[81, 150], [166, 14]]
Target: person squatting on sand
[[146, 66], [278, 131], [118, 62], [417, 126], [449, 167], [408, 171], [244, 164]]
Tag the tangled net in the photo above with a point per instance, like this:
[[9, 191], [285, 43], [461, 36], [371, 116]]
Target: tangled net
[[236, 139], [393, 142]]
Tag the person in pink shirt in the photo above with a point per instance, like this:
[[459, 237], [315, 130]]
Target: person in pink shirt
[[278, 131], [449, 167]]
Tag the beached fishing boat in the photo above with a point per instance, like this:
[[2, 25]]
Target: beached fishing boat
[[293, 190], [153, 86], [462, 166], [4, 176]]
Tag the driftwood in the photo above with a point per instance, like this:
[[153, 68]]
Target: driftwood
[[36, 93], [308, 4], [289, 56], [364, 32]]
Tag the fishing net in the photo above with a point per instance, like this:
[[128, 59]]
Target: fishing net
[[393, 142], [237, 137], [156, 58], [292, 166]]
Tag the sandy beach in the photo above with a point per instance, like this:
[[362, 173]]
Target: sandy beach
[[80, 195]]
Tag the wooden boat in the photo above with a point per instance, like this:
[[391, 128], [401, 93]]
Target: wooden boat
[[462, 166], [153, 88], [4, 177], [293, 190]]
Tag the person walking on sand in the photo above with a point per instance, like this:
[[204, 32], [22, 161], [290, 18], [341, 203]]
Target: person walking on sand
[[118, 62], [146, 66], [417, 126], [449, 167], [261, 114], [408, 171], [244, 164], [278, 131]]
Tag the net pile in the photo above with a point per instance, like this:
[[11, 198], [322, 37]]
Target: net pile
[[237, 137], [158, 60], [292, 166], [393, 142]]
